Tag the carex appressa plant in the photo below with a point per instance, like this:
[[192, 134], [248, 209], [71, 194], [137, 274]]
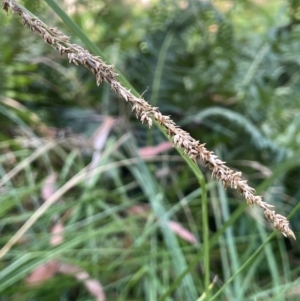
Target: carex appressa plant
[[147, 113]]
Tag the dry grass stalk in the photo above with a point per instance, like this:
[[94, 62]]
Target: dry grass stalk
[[145, 112]]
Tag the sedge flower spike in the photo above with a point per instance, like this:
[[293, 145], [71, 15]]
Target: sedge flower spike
[[145, 112]]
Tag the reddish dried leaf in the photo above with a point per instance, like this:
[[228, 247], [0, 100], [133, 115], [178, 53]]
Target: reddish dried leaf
[[93, 286], [43, 273], [99, 140], [82, 276], [57, 234], [182, 232], [100, 136], [150, 151], [49, 186]]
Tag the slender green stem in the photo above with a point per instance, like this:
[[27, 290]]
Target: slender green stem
[[205, 235], [206, 243], [198, 173]]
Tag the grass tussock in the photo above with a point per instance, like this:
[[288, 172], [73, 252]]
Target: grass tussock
[[109, 214]]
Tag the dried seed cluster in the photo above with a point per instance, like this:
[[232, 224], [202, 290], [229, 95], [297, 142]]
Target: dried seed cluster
[[145, 112]]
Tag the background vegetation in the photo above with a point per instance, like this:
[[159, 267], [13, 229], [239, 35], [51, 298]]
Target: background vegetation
[[228, 73]]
